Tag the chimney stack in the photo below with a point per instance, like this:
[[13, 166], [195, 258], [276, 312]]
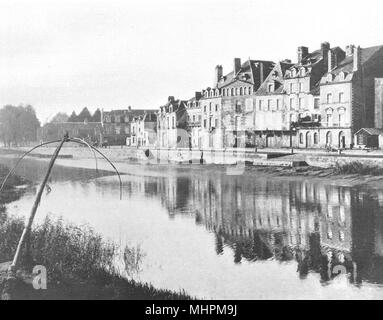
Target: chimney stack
[[350, 50], [261, 70], [325, 48], [237, 65], [357, 58], [198, 95], [170, 98], [218, 73], [331, 61], [302, 53]]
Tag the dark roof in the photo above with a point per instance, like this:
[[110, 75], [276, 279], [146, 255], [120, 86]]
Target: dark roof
[[248, 73], [346, 65], [276, 75], [131, 112]]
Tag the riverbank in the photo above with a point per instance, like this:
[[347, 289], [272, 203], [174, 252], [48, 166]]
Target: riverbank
[[80, 264], [351, 173]]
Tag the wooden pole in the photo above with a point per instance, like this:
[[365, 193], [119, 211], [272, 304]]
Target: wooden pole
[[28, 226]]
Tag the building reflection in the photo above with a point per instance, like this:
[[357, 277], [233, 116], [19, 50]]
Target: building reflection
[[326, 229]]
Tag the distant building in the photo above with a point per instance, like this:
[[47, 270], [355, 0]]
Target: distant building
[[172, 125], [117, 124], [89, 131], [143, 130], [193, 107]]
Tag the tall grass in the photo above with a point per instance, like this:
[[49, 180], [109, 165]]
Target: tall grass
[[357, 167]]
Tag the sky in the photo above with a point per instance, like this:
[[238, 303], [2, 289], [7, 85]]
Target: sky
[[67, 55]]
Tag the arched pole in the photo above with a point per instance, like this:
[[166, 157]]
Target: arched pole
[[99, 152], [21, 158], [28, 226]]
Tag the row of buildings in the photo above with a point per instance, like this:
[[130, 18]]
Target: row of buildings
[[117, 127], [330, 97]]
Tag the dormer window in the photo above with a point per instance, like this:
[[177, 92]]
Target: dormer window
[[302, 72], [329, 77], [270, 87], [329, 98]]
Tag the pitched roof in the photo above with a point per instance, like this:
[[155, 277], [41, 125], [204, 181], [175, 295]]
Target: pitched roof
[[248, 72], [347, 64], [276, 75], [371, 131]]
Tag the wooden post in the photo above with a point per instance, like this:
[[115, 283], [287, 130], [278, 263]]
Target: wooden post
[[28, 226]]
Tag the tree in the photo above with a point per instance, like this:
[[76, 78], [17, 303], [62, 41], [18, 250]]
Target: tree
[[73, 117], [84, 115], [59, 118], [18, 124], [96, 116]]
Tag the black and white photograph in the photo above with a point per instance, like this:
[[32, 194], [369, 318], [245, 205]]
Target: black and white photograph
[[204, 151]]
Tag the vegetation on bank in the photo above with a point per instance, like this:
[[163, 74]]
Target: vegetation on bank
[[80, 263], [357, 167]]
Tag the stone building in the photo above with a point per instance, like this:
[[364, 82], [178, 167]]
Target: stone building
[[172, 125], [117, 124], [143, 130], [302, 88], [228, 107], [349, 94], [194, 117], [271, 116]]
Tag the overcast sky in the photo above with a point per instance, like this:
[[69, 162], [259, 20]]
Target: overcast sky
[[65, 55]]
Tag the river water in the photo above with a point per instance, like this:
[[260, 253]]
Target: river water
[[227, 237]]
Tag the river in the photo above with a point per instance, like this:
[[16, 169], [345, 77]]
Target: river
[[227, 237]]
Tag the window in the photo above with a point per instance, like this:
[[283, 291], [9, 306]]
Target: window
[[204, 123], [240, 91], [341, 119], [232, 91], [270, 87], [260, 105], [268, 105], [300, 87], [291, 103], [245, 91], [193, 117], [301, 138], [315, 138], [236, 91], [204, 108], [316, 103], [341, 96], [216, 123], [277, 104], [291, 87], [210, 106], [238, 108], [329, 98], [329, 120], [216, 108], [173, 123], [300, 102], [250, 90]]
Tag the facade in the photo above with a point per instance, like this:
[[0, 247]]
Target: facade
[[172, 125], [228, 108], [117, 124], [194, 118], [143, 130], [271, 115], [348, 96]]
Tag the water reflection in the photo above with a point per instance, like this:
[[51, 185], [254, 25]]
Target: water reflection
[[325, 229]]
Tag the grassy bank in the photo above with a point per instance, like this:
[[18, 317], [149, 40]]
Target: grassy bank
[[80, 263], [357, 167]]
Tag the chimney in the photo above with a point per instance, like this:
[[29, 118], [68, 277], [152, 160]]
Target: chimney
[[170, 98], [302, 53], [198, 95], [261, 78], [331, 61], [357, 58], [325, 48], [129, 108], [237, 65], [218, 74], [350, 50]]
